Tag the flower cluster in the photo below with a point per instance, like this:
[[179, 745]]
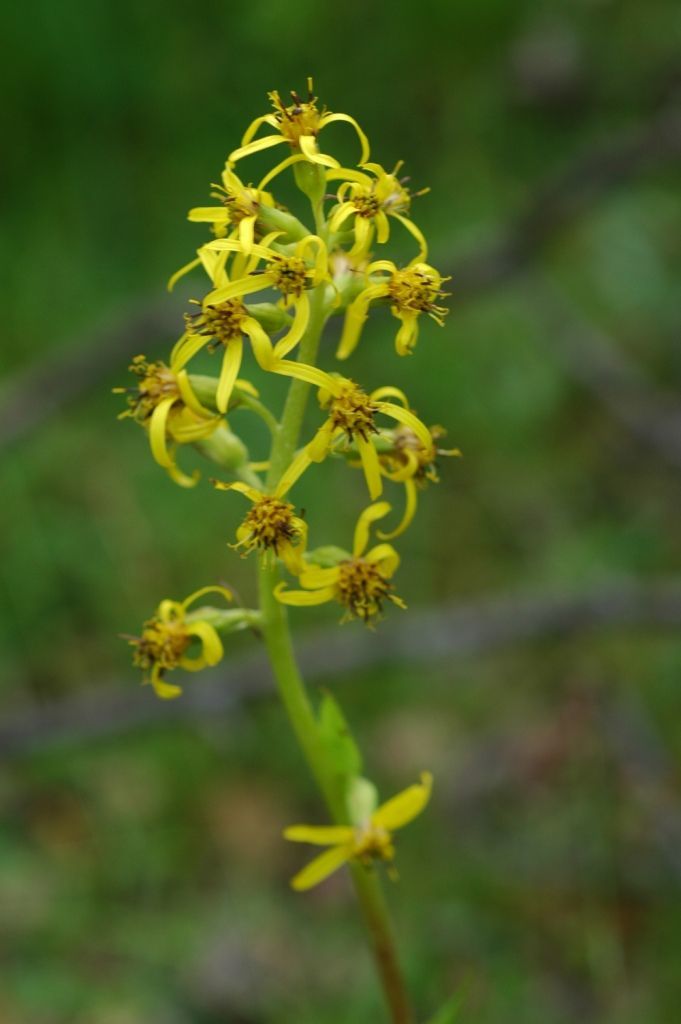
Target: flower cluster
[[266, 281], [269, 277]]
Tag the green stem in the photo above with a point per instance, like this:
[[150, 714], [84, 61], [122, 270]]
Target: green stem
[[291, 687], [288, 431], [294, 695], [377, 922], [248, 402]]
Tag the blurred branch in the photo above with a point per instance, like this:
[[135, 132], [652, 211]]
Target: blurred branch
[[598, 363], [44, 387], [431, 635], [565, 198], [506, 762], [79, 364], [651, 772]]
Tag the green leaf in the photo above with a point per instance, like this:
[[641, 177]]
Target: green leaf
[[337, 738], [449, 1013]]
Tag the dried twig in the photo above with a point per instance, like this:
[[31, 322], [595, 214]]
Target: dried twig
[[428, 636], [36, 393], [599, 364], [565, 198]]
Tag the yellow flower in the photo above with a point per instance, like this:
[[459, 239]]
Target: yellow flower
[[369, 841], [164, 403], [298, 125], [271, 525], [239, 209], [222, 321], [291, 275], [412, 291], [371, 201], [351, 419], [412, 463], [167, 637], [360, 582]]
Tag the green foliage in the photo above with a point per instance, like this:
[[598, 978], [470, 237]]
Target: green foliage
[[337, 738], [143, 878], [450, 1012]]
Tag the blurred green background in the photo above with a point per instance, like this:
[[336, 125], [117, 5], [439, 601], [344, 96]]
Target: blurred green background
[[142, 874]]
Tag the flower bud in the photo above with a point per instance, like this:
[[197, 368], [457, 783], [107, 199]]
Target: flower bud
[[224, 448], [328, 555], [310, 179], [270, 317], [273, 219], [361, 799]]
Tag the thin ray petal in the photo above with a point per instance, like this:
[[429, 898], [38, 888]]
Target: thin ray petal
[[409, 512], [288, 162], [186, 349], [255, 147], [416, 233], [303, 597], [262, 347], [321, 867], [404, 807], [255, 125], [211, 647], [371, 466], [406, 416], [301, 319], [367, 517], [246, 229], [231, 364], [208, 214], [364, 142], [245, 286], [295, 470], [181, 272], [407, 335], [157, 433], [319, 835], [386, 557]]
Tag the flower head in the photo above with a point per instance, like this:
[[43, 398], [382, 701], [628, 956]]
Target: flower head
[[163, 402], [371, 199], [221, 322], [410, 462], [409, 459], [368, 841], [298, 124], [299, 119], [270, 526], [239, 208], [351, 420], [360, 582], [412, 291], [167, 637]]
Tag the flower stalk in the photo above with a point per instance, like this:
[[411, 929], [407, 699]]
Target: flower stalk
[[291, 687], [258, 248]]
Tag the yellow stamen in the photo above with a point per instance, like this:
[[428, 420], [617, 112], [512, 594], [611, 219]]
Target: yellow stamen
[[269, 524], [362, 588], [223, 322], [415, 290], [352, 411]]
